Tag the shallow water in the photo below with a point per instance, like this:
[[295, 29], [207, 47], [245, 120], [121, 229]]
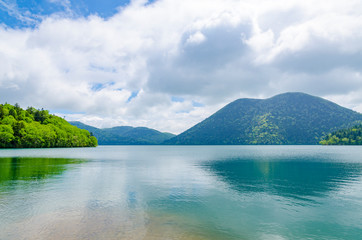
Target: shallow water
[[182, 192]]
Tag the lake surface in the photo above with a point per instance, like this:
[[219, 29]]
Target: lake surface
[[182, 192]]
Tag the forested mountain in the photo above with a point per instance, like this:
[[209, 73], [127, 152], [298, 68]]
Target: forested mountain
[[289, 118], [349, 136], [126, 135], [32, 128]]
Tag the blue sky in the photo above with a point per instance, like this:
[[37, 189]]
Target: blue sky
[[11, 11], [168, 64]]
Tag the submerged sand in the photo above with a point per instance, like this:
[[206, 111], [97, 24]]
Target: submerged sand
[[107, 224]]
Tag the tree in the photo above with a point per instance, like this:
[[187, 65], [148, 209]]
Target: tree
[[13, 113], [6, 135]]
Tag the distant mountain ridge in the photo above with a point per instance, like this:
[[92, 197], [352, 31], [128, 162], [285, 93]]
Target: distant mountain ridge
[[125, 135], [289, 118]]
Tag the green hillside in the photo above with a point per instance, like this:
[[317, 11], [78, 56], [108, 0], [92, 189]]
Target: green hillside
[[126, 135], [349, 136], [289, 118], [32, 128]]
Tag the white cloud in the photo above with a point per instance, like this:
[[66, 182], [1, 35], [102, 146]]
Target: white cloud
[[196, 38], [210, 52], [261, 41]]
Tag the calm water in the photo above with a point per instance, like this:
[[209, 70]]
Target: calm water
[[182, 192]]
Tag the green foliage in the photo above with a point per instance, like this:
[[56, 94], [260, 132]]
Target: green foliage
[[349, 136], [34, 128], [290, 118], [126, 135], [264, 131]]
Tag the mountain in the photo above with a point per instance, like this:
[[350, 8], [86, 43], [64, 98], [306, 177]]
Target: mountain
[[289, 118], [125, 135], [32, 128], [349, 136]]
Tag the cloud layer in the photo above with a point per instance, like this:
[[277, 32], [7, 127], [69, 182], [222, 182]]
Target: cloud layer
[[169, 64]]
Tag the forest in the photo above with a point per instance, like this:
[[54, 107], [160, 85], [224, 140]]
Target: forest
[[349, 136], [35, 128]]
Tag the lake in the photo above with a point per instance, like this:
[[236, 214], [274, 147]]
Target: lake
[[182, 192]]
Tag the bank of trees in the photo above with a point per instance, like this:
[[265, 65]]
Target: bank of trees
[[34, 128], [350, 136]]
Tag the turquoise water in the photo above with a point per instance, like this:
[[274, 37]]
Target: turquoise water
[[182, 192]]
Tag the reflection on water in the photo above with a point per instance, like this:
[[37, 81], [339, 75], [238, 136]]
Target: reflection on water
[[16, 168], [154, 192], [299, 179]]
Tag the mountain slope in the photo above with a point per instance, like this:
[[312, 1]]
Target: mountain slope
[[289, 118], [125, 135]]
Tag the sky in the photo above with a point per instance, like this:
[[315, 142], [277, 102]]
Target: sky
[[169, 64]]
